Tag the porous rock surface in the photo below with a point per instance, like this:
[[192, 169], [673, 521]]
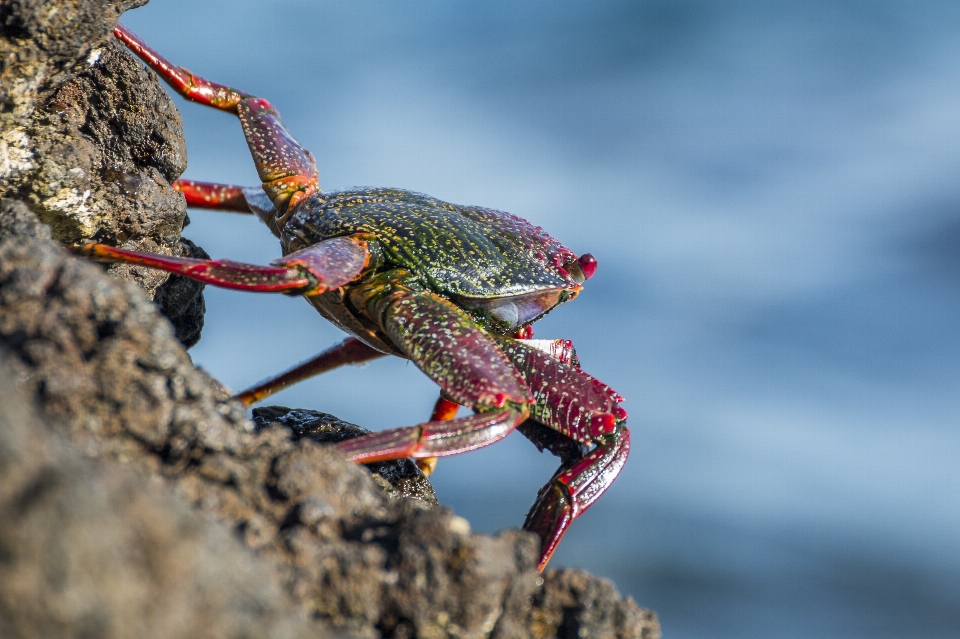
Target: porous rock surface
[[93, 549], [136, 499], [91, 141]]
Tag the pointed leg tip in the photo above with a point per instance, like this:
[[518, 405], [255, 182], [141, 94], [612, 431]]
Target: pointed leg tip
[[549, 518], [426, 465]]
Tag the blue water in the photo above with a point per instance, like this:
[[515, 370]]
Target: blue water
[[772, 191]]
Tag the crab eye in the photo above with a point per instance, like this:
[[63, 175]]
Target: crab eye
[[581, 269], [588, 264]]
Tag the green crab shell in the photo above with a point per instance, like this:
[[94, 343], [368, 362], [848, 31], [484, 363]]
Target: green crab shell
[[486, 260]]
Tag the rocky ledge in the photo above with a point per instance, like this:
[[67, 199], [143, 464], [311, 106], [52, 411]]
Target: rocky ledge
[[136, 498]]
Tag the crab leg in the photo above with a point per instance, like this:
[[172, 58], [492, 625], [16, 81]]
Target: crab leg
[[574, 488], [207, 195], [323, 266], [585, 410], [226, 197], [349, 351], [434, 439], [287, 170], [567, 399]]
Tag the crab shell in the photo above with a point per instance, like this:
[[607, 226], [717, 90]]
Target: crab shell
[[505, 272]]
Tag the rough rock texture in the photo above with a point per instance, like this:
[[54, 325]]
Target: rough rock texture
[[163, 504], [92, 549], [399, 478], [90, 139]]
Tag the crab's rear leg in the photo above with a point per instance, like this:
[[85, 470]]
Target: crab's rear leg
[[349, 351], [287, 170]]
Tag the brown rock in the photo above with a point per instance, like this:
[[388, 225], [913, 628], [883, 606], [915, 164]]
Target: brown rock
[[93, 549]]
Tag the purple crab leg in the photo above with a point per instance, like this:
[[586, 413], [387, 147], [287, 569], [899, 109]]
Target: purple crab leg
[[287, 170], [349, 351], [586, 410], [323, 266], [572, 490], [567, 399]]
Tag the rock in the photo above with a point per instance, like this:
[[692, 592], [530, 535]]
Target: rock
[[91, 141], [93, 549], [399, 478]]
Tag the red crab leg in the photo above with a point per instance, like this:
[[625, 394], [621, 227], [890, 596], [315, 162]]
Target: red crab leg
[[587, 411], [349, 351], [226, 197], [310, 271], [207, 195], [287, 170], [434, 439], [572, 490]]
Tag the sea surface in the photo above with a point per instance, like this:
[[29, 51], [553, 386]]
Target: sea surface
[[772, 190]]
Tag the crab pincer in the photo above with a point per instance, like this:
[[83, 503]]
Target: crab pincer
[[454, 289]]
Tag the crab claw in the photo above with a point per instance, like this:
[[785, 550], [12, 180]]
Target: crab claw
[[574, 488]]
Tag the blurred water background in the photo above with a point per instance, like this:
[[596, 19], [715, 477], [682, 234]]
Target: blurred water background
[[771, 189]]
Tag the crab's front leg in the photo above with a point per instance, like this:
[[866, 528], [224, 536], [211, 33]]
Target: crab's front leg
[[444, 343], [287, 171], [310, 271], [585, 410], [575, 487]]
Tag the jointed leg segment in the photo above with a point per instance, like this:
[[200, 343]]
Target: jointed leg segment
[[434, 439], [287, 170], [349, 351]]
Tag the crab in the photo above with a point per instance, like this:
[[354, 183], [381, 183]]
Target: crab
[[452, 288]]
